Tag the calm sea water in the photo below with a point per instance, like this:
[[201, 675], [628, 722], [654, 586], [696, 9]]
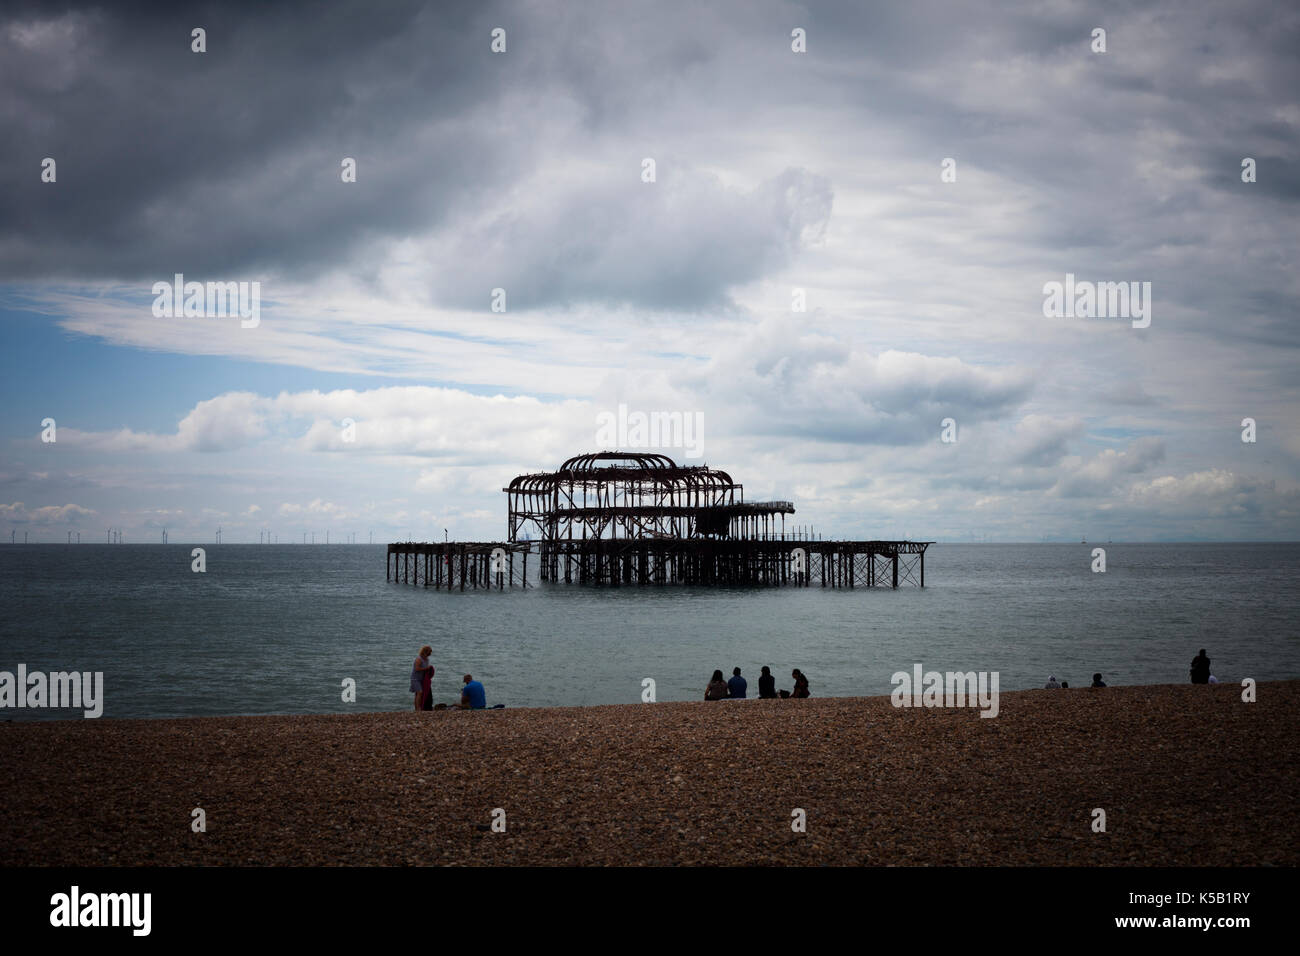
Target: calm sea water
[[277, 629]]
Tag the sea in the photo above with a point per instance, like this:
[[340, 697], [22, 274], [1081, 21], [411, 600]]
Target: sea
[[296, 629]]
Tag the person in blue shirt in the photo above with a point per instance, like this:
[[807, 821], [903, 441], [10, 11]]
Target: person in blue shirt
[[737, 686], [472, 696]]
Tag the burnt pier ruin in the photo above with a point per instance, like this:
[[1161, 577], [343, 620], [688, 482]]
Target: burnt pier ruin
[[625, 518]]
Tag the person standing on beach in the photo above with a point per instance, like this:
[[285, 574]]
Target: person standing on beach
[[737, 686], [421, 677], [766, 684], [717, 689], [800, 684], [1201, 668], [1097, 681]]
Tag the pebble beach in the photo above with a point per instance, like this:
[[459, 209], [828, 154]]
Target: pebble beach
[[1186, 775]]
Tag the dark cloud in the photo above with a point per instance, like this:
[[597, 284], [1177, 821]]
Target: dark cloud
[[228, 162], [522, 171], [675, 244]]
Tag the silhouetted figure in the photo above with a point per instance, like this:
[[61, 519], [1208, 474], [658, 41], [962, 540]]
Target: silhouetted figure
[[800, 684], [717, 689], [737, 686], [1065, 685], [1201, 668], [1097, 681], [766, 684]]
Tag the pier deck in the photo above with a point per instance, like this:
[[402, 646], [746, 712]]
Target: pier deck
[[614, 562], [456, 564]]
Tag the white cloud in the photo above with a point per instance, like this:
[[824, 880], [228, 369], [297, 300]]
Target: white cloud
[[1102, 474], [1212, 493], [45, 515]]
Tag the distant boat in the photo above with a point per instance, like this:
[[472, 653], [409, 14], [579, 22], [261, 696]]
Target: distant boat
[[1084, 541]]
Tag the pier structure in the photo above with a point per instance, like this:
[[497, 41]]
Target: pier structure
[[454, 565], [625, 518], [790, 562], [614, 517]]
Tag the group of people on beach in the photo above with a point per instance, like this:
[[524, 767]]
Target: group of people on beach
[[472, 694], [737, 688], [1200, 672], [1054, 684]]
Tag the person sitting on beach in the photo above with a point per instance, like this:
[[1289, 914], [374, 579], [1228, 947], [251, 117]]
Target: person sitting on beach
[[1097, 681], [1052, 683], [1201, 668], [421, 677], [1065, 685], [472, 696], [766, 684], [717, 689], [800, 684], [737, 687]]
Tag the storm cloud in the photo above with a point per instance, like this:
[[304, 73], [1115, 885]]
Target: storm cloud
[[797, 269]]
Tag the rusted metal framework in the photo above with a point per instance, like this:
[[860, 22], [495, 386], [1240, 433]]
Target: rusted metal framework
[[453, 565], [631, 496], [614, 518], [794, 562]]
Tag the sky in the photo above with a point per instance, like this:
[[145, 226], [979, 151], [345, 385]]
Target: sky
[[822, 234]]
